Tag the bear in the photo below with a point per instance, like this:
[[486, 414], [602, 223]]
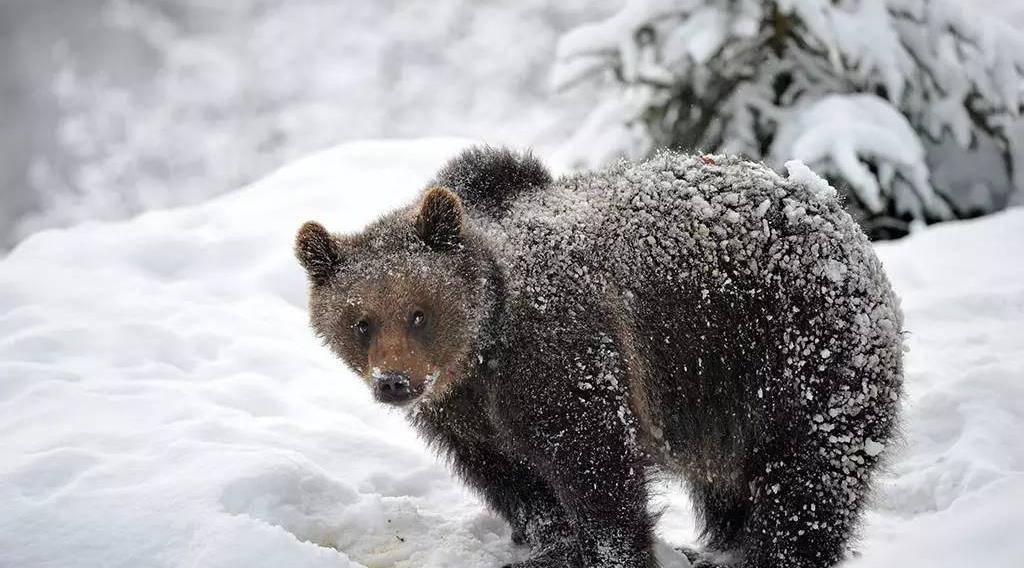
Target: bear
[[562, 342]]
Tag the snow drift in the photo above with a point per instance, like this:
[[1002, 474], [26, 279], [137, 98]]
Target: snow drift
[[163, 403]]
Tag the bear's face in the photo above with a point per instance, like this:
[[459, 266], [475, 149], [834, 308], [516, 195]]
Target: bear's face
[[400, 303]]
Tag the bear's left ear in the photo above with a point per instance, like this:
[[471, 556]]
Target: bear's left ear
[[439, 222], [317, 252]]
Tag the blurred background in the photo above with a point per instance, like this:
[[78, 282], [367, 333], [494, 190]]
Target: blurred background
[[112, 107]]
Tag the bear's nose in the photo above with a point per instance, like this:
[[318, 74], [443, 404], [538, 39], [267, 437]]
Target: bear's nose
[[393, 388]]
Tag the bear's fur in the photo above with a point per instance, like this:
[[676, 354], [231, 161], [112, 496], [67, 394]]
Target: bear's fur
[[561, 340]]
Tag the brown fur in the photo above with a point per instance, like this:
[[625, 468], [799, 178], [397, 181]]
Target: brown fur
[[638, 373]]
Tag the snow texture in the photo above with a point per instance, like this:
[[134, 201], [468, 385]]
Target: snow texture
[[163, 402]]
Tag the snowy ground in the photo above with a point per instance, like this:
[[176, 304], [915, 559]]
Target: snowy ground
[[162, 402]]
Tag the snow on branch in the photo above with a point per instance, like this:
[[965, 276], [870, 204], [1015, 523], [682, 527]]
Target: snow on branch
[[840, 135]]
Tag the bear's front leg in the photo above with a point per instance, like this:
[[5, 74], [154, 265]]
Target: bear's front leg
[[512, 490], [572, 421], [604, 490], [606, 504]]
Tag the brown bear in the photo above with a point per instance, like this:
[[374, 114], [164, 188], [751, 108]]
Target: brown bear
[[561, 341]]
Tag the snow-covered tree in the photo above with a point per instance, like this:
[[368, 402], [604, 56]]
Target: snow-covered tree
[[912, 106]]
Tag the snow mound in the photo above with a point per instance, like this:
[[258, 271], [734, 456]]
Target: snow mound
[[163, 402]]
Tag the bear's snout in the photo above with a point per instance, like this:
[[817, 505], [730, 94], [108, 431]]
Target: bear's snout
[[393, 388]]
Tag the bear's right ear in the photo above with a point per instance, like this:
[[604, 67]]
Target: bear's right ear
[[439, 222], [317, 252]]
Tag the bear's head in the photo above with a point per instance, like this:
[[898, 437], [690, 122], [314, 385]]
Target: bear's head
[[403, 302]]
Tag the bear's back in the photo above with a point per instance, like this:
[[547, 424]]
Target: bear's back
[[713, 221], [715, 237]]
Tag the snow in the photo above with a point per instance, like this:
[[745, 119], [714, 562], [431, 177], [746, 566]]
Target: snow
[[163, 402], [800, 173]]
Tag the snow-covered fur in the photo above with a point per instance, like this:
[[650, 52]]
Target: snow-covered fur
[[694, 315]]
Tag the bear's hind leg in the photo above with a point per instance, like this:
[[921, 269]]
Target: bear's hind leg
[[803, 514]]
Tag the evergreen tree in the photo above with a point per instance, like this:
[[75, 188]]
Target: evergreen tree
[[911, 106]]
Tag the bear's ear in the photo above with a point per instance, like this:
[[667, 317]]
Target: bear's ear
[[317, 252], [439, 222]]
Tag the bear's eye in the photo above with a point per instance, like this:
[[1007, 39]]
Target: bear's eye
[[418, 318], [363, 326]]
